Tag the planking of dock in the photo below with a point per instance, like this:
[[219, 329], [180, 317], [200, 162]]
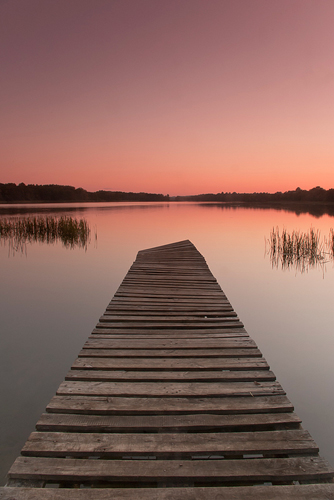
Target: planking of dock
[[169, 399]]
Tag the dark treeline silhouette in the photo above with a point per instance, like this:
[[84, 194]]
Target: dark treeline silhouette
[[34, 193], [53, 193], [300, 196]]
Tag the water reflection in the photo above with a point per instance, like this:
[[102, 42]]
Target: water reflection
[[18, 231], [300, 251]]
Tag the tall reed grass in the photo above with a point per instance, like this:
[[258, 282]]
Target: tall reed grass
[[300, 250], [19, 231]]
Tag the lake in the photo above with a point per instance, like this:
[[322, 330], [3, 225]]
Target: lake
[[51, 297]]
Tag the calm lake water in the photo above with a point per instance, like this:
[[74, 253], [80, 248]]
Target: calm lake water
[[51, 298]]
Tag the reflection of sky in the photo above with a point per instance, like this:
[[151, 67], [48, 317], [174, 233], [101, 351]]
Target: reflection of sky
[[51, 299]]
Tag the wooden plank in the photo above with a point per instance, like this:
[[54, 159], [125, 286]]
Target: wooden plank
[[165, 325], [282, 469], [76, 444], [186, 295], [166, 274], [179, 286], [188, 423], [184, 333], [154, 299], [267, 492], [165, 389], [176, 376], [109, 333], [171, 364], [151, 309], [175, 291], [169, 280], [247, 351], [104, 405], [187, 344], [172, 317]]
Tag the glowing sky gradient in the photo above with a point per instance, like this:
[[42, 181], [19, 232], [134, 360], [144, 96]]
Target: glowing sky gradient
[[168, 96]]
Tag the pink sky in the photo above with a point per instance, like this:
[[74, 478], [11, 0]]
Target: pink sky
[[168, 96]]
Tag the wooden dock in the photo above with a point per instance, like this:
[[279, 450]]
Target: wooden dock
[[169, 399]]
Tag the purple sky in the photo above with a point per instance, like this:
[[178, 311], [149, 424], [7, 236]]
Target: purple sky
[[177, 96]]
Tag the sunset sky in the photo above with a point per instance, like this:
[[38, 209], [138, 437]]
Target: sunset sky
[[168, 96]]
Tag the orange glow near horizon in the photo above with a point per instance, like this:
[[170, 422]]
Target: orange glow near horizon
[[170, 97]]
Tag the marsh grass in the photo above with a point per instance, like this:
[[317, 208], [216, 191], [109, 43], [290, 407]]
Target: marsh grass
[[299, 250], [19, 231]]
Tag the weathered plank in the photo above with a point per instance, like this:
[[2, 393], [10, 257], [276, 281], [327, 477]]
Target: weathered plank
[[165, 389], [163, 423], [59, 469], [247, 350], [156, 309], [176, 376], [212, 299], [108, 343], [103, 405], [61, 444], [187, 291], [182, 364], [229, 323], [173, 333], [172, 317], [293, 492], [173, 336]]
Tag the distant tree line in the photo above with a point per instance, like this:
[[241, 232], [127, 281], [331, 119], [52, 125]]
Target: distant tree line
[[53, 193], [300, 196]]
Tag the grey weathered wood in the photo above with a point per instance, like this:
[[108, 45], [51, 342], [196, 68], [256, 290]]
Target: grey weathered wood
[[178, 290], [268, 492], [230, 323], [202, 344], [174, 309], [246, 351], [60, 444], [287, 469], [104, 405], [190, 422], [182, 364], [171, 299], [172, 336], [173, 333], [171, 318], [176, 376], [166, 389]]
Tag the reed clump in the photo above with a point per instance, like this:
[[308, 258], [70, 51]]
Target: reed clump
[[48, 229], [301, 250]]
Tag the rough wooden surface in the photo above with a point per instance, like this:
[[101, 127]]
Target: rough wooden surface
[[169, 399], [295, 492], [104, 405], [58, 444], [207, 471]]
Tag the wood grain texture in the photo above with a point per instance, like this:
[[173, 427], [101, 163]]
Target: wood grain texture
[[294, 492], [175, 376], [286, 469], [185, 363], [103, 405], [188, 423], [60, 444], [165, 389]]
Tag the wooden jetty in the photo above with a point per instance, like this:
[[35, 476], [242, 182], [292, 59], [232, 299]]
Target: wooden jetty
[[169, 399]]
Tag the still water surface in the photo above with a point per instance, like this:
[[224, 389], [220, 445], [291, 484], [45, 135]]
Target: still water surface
[[51, 298]]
